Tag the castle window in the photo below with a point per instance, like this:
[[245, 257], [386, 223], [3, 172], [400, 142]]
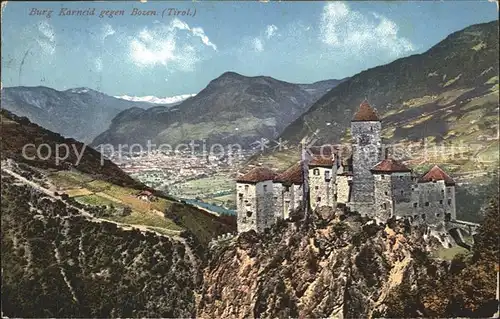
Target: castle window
[[386, 193], [447, 217], [426, 203], [246, 188], [415, 217], [400, 177], [240, 195], [287, 188], [384, 206], [382, 176], [442, 191], [265, 188], [423, 216], [249, 214], [318, 199], [402, 192], [415, 204], [327, 176], [449, 202], [316, 187], [441, 202], [437, 215], [316, 171]]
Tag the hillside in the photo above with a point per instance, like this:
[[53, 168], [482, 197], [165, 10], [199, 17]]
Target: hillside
[[98, 185], [80, 113], [232, 109], [448, 94], [58, 263]]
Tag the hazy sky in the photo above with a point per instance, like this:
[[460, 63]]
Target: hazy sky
[[169, 55]]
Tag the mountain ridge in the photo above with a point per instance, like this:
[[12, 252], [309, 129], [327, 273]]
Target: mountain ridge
[[232, 108], [81, 113]]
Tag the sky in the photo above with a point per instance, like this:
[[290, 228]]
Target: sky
[[163, 54]]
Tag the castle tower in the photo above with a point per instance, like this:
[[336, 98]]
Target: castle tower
[[365, 130], [288, 193], [254, 202], [437, 195], [393, 190], [322, 180]]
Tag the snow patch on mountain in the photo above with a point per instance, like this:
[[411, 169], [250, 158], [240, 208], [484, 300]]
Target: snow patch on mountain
[[156, 100]]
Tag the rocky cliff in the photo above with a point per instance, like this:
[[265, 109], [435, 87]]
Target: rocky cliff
[[348, 268]]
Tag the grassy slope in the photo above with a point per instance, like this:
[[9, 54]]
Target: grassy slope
[[96, 184]]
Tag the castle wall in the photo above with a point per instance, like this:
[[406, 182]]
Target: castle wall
[[294, 196], [322, 186], [450, 202], [265, 205], [366, 154], [342, 189], [432, 201], [246, 207], [383, 207], [278, 200], [255, 206]]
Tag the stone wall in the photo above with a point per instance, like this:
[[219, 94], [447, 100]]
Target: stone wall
[[246, 207], [297, 198], [343, 189], [450, 202], [366, 154], [265, 205], [383, 207], [432, 201], [322, 190], [278, 200]]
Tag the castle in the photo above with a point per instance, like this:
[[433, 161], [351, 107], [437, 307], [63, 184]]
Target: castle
[[368, 182]]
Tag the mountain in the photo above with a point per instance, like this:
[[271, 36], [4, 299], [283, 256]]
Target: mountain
[[81, 113], [232, 109], [171, 101], [448, 93]]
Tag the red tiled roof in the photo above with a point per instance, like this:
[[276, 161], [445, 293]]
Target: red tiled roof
[[258, 174], [292, 175], [323, 161], [390, 165], [437, 174], [147, 193], [365, 113]]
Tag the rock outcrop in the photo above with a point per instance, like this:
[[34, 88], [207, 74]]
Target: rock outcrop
[[346, 268]]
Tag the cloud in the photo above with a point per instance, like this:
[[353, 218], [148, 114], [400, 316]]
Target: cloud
[[46, 38], [98, 64], [258, 45], [106, 31], [271, 31], [161, 45], [359, 34]]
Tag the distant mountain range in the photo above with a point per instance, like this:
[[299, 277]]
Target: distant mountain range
[[448, 92], [80, 113], [172, 100], [232, 109]]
